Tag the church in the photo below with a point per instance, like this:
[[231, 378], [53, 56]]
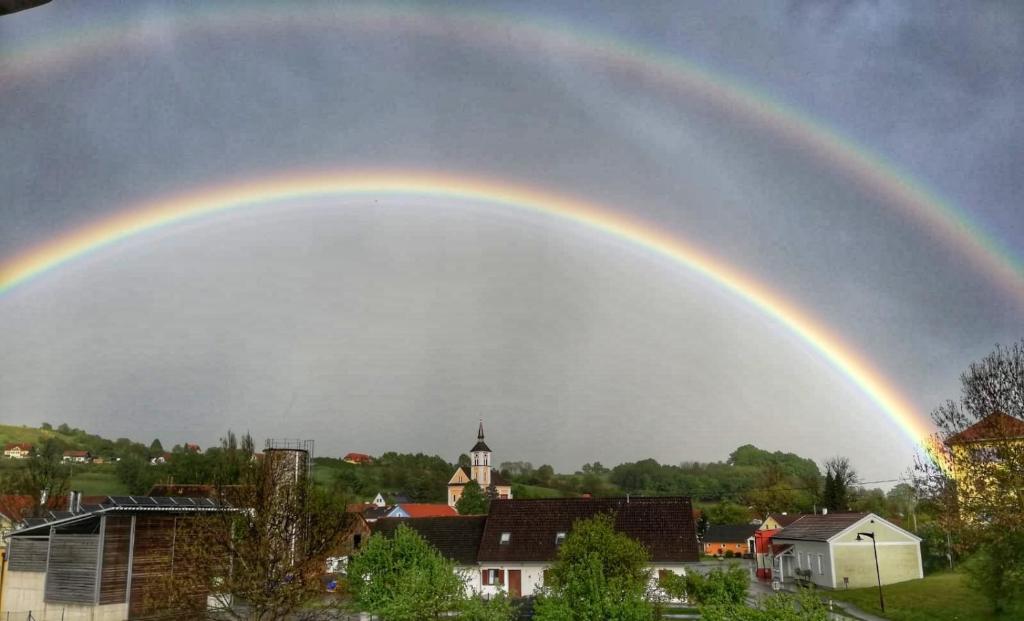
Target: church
[[480, 471]]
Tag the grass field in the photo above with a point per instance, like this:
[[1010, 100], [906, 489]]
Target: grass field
[[939, 597], [91, 479], [20, 433]]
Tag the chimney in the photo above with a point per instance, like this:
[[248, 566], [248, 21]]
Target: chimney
[[74, 501]]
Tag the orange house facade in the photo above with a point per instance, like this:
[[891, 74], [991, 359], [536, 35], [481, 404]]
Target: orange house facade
[[722, 539]]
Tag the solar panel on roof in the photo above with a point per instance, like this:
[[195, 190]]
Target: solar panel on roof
[[145, 501], [122, 501], [164, 501], [35, 521], [59, 515]]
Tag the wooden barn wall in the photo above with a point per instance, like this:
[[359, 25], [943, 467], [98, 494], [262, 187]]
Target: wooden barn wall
[[151, 560], [71, 570], [117, 538], [24, 554]]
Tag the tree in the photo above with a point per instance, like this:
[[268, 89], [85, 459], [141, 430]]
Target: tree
[[464, 461], [46, 427], [840, 478], [544, 475], [44, 475], [702, 525], [977, 482], [728, 513], [473, 500], [773, 492], [403, 578], [137, 475], [261, 561], [599, 575], [155, 448], [64, 429]]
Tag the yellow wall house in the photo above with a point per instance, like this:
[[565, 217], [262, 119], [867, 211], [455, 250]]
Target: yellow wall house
[[835, 551], [987, 458]]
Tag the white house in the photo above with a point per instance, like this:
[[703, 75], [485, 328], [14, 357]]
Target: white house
[[18, 450], [837, 550], [77, 457], [521, 537]]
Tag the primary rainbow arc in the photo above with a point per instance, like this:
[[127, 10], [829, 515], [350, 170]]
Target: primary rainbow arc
[[207, 202]]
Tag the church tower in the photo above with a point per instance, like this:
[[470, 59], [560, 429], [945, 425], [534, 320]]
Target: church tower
[[480, 457]]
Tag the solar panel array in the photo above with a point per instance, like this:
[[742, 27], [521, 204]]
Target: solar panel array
[[161, 502]]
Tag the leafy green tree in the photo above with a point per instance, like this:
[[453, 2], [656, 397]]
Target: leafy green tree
[[403, 578], [64, 429], [46, 427], [155, 448], [599, 575], [138, 475], [840, 477], [475, 608], [721, 586], [803, 606], [464, 461], [728, 513], [473, 500]]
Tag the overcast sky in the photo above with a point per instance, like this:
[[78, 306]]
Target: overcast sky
[[374, 325]]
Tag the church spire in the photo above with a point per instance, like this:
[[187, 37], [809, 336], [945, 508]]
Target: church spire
[[480, 434]]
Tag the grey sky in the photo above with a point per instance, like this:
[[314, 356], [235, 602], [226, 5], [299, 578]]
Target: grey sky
[[396, 324]]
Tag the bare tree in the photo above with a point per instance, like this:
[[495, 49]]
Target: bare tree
[[840, 478], [264, 559]]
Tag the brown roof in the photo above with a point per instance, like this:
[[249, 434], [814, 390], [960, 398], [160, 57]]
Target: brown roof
[[76, 453], [455, 537], [25, 446], [663, 525], [995, 426], [819, 527]]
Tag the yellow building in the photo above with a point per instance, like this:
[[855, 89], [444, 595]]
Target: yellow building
[[480, 470], [987, 461]]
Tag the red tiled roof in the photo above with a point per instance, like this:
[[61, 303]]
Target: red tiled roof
[[995, 426], [25, 446], [424, 510], [358, 458], [664, 525], [76, 453]]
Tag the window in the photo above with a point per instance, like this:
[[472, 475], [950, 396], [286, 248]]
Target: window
[[559, 538], [799, 560], [356, 540], [820, 572], [505, 538]]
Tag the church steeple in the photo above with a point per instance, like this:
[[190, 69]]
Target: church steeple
[[481, 456]]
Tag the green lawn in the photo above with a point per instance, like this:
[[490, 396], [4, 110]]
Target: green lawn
[[939, 597], [21, 433], [97, 480]]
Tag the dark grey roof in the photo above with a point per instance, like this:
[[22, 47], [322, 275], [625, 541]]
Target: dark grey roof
[[729, 533], [819, 527], [480, 446], [663, 525], [457, 537]]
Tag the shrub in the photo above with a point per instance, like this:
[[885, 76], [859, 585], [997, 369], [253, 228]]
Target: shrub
[[725, 586]]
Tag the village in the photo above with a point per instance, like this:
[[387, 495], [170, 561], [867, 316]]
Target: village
[[102, 557]]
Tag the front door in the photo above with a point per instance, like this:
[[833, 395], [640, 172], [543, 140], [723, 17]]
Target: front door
[[515, 583]]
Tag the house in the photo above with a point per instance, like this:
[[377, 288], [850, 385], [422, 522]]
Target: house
[[192, 448], [772, 524], [457, 538], [18, 450], [98, 561], [480, 471], [837, 550], [77, 457], [979, 455], [160, 459], [420, 510], [337, 562], [737, 539], [357, 458], [521, 537]]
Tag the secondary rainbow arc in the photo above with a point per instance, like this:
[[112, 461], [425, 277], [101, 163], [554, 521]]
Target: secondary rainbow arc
[[289, 188], [527, 36]]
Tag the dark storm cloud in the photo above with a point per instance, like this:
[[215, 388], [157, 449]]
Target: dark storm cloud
[[396, 329]]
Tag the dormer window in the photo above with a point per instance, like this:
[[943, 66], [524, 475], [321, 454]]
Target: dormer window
[[559, 538], [505, 538]]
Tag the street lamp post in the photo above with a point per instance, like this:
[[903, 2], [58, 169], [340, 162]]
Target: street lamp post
[[878, 574]]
